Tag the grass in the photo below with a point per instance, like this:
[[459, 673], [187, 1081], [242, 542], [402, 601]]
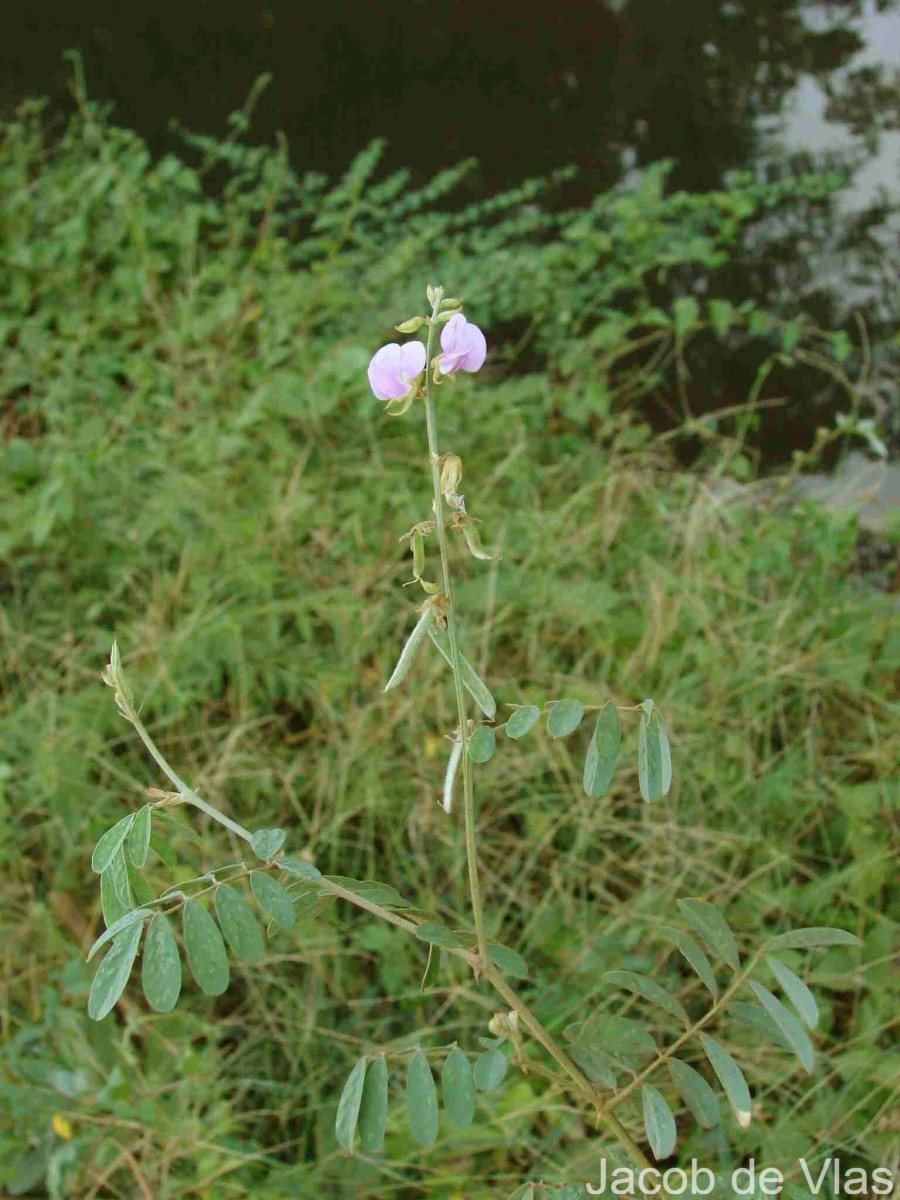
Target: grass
[[193, 466]]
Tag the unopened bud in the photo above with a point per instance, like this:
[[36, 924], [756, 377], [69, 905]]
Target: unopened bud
[[413, 325], [434, 293], [451, 302]]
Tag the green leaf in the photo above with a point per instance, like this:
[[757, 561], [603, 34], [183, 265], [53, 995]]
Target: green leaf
[[654, 756], [789, 1025], [114, 972], [650, 990], [410, 648], [695, 956], [721, 315], [472, 682], [272, 898], [510, 962], [759, 1021], [731, 1077], [110, 843], [797, 992], [695, 1092], [205, 949], [620, 1042], [161, 966], [659, 1123], [522, 720], [713, 928], [115, 891], [136, 914], [371, 889], [137, 840], [439, 935], [595, 1065], [603, 752], [482, 744], [458, 1088], [239, 925], [806, 939], [266, 843], [489, 1069], [421, 1100], [373, 1109], [565, 717], [348, 1107], [301, 868], [686, 312]]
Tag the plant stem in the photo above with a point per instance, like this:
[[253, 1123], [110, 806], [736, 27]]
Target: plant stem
[[556, 1052], [468, 793]]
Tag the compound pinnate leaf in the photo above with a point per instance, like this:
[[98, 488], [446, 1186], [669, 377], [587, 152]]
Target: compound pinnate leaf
[[458, 1088], [137, 840], [348, 1107], [266, 843], [696, 1093], [489, 1070], [695, 956], [272, 898], [565, 717], [659, 1123], [205, 949], [522, 720], [797, 992], [654, 756], [113, 972], [732, 1079], [481, 745], [793, 1031], [603, 752], [109, 844], [136, 914], [239, 925], [713, 928], [161, 966], [806, 939], [650, 990], [421, 1100], [373, 1108]]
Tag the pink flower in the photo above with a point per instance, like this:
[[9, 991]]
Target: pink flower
[[393, 369], [463, 345]]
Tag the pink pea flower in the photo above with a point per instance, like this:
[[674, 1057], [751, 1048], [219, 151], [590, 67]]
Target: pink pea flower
[[463, 345], [393, 369]]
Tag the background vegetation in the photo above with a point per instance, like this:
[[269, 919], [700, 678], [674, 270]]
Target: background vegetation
[[192, 463]]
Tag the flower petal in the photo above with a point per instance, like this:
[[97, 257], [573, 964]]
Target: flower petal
[[412, 359], [476, 349], [384, 373]]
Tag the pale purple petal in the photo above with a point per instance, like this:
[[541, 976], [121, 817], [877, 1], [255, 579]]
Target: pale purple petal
[[412, 359], [463, 344]]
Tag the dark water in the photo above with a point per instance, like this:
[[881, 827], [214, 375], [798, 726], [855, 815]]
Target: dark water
[[609, 86]]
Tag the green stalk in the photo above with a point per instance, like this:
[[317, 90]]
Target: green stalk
[[468, 792]]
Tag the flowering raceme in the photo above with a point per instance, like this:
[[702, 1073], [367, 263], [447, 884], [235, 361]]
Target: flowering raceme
[[464, 346], [393, 369]]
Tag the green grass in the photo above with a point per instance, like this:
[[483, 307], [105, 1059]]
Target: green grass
[[193, 465]]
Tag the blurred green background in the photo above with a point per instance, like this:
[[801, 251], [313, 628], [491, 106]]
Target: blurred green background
[[192, 463]]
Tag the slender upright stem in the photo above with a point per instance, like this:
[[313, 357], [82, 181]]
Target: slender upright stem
[[468, 792]]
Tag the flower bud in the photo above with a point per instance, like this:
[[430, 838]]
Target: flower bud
[[413, 325], [451, 302]]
